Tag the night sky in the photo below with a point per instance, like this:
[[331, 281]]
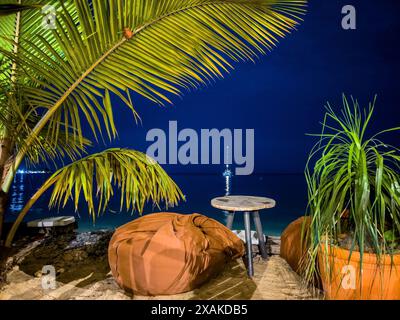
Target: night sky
[[283, 95]]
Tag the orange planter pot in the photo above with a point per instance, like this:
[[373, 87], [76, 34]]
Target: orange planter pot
[[342, 281]]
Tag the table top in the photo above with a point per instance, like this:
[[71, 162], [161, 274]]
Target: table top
[[243, 203]]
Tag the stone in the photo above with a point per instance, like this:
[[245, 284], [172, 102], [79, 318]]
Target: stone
[[68, 256], [60, 271]]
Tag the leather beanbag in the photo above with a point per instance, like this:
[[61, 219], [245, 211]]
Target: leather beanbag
[[293, 249], [167, 253]]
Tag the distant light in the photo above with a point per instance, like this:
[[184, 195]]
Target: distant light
[[228, 174], [30, 172]]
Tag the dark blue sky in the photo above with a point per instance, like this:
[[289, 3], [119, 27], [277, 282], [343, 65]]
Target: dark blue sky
[[282, 96]]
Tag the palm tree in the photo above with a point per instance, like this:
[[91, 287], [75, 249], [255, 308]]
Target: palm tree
[[53, 79]]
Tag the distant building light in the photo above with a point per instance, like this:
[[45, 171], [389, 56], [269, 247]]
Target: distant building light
[[30, 172]]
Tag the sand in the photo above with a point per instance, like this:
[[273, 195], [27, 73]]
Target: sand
[[273, 280]]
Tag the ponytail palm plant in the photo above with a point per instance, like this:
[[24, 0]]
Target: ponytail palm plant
[[354, 188], [54, 79]]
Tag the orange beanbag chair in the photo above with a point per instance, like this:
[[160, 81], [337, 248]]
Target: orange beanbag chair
[[167, 253], [294, 245]]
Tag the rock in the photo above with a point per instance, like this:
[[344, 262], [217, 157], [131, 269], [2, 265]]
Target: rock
[[71, 254], [80, 255], [68, 256], [9, 262], [38, 274], [87, 239], [60, 271]]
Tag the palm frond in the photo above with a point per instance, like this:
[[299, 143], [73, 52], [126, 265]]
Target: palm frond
[[18, 118], [97, 178], [154, 48], [49, 148], [139, 179], [12, 8], [30, 24], [7, 30]]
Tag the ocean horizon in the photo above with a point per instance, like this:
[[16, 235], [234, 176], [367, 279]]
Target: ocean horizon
[[288, 190]]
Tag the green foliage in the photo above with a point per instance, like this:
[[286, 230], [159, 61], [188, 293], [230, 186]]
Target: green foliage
[[53, 80], [353, 187], [139, 179], [8, 8], [172, 46]]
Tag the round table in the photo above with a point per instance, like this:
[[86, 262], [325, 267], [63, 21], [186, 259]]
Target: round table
[[249, 206]]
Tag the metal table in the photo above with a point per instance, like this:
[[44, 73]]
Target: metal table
[[249, 206]]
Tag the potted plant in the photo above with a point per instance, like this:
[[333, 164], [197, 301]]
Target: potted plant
[[354, 208]]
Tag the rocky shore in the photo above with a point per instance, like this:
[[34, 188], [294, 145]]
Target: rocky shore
[[82, 273], [71, 254]]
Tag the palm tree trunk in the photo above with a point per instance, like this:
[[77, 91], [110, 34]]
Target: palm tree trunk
[[3, 208], [5, 154], [6, 144]]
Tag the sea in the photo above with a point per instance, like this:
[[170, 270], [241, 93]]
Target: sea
[[288, 190]]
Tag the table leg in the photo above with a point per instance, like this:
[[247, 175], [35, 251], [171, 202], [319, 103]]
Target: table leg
[[260, 233], [249, 252], [229, 220]]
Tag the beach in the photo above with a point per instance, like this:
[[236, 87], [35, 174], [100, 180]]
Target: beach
[[83, 273]]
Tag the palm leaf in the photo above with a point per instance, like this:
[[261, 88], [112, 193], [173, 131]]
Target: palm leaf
[[154, 48], [18, 119], [139, 178], [12, 8], [30, 24], [49, 148], [96, 179]]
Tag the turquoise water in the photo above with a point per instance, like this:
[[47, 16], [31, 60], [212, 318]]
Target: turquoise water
[[289, 191]]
